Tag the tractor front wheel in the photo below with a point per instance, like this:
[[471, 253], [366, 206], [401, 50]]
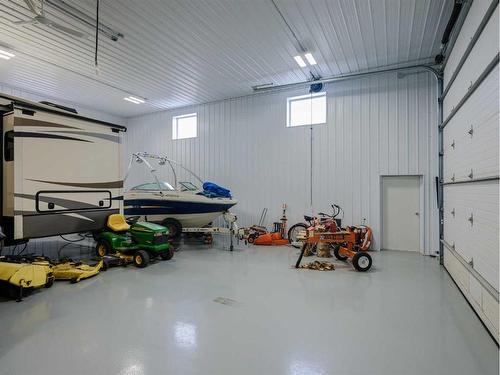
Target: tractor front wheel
[[167, 255], [103, 248], [362, 261], [141, 259]]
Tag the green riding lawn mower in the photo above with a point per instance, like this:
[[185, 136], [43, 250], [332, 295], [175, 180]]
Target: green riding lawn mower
[[122, 243]]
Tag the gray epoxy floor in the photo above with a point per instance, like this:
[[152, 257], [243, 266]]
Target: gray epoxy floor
[[404, 317]]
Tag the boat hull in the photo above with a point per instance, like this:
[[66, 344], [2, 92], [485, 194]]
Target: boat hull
[[190, 211]]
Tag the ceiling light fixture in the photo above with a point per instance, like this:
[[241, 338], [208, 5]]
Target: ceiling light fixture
[[300, 61], [310, 59], [263, 86], [134, 99], [6, 55]]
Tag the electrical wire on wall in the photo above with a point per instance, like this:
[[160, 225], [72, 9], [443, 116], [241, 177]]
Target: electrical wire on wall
[[311, 156], [96, 38]]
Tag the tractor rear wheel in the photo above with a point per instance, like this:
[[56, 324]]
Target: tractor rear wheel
[[295, 230], [167, 255], [362, 261], [141, 259], [103, 248]]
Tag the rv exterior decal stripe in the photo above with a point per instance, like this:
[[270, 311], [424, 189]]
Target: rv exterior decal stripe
[[55, 224], [22, 121], [95, 185], [107, 137], [45, 135]]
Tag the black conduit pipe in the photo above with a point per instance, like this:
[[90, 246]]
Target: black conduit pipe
[[457, 7], [455, 13]]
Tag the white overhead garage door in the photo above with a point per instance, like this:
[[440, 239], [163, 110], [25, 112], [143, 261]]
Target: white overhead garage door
[[471, 161]]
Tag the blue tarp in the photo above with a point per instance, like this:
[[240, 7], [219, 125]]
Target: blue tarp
[[214, 190]]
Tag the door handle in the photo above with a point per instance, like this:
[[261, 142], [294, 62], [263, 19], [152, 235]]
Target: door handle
[[417, 213]]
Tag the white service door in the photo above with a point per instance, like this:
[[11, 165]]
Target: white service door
[[401, 213]]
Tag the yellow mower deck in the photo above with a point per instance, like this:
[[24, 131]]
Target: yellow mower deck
[[20, 278], [75, 271]]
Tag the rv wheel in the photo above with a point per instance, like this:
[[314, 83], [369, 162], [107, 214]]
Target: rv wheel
[[173, 226], [95, 234], [141, 259]]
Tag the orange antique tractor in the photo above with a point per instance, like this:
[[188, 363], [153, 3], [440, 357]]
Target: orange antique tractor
[[349, 243]]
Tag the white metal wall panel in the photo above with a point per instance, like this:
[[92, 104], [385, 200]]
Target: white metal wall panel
[[477, 152], [375, 126], [481, 55], [476, 241], [474, 262], [469, 27]]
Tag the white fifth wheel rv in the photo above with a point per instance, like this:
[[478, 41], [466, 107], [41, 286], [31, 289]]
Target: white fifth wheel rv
[[61, 172]]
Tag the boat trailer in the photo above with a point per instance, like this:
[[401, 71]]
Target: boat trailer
[[231, 229]]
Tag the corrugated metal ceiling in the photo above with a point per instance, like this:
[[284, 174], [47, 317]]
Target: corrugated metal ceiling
[[181, 52]]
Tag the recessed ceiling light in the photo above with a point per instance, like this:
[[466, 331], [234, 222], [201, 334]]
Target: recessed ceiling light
[[300, 61], [134, 99], [310, 59], [6, 55]]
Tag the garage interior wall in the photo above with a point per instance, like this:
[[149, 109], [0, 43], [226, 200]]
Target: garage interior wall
[[471, 161], [87, 112], [378, 125]]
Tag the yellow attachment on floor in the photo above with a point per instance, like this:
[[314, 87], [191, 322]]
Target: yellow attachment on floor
[[26, 275], [117, 223], [75, 271]]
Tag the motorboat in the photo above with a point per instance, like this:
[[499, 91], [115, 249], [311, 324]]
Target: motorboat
[[182, 204]]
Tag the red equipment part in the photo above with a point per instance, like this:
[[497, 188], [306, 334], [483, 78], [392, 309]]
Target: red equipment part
[[276, 238]]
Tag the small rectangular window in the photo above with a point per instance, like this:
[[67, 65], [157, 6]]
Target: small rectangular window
[[8, 145], [307, 109], [185, 126]]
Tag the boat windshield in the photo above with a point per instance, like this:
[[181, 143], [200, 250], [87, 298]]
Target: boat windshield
[[188, 186], [154, 186]]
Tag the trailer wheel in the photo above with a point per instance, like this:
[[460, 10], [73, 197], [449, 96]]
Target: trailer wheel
[[294, 231], [141, 259], [173, 226], [167, 255], [251, 238], [102, 248], [336, 252], [362, 261]]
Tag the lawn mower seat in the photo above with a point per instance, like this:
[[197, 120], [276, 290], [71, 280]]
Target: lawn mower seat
[[117, 223]]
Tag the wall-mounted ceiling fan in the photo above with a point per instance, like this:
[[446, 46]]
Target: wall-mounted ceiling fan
[[41, 19]]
